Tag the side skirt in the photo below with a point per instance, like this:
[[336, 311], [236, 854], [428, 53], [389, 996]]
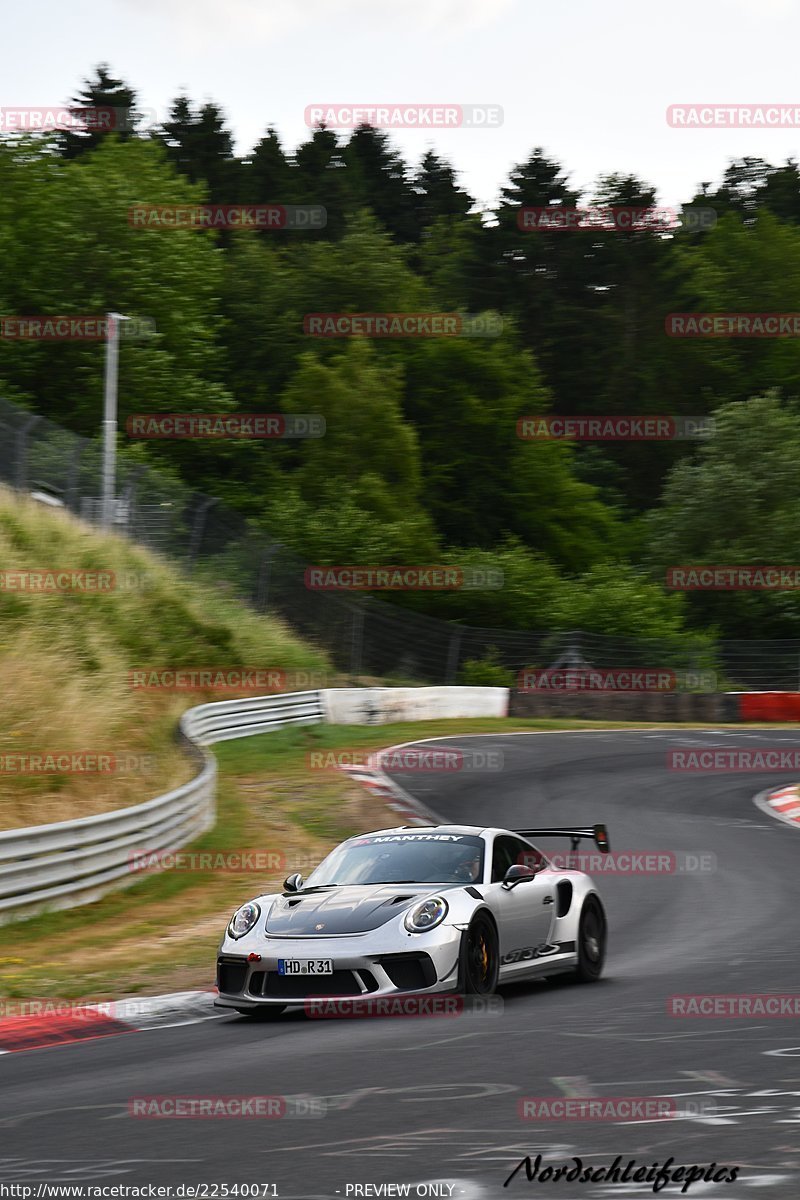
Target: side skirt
[[546, 961]]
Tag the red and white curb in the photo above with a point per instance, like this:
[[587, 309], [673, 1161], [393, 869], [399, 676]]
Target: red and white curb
[[386, 790], [783, 804], [33, 1024]]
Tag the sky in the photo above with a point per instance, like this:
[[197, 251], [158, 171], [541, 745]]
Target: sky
[[588, 81]]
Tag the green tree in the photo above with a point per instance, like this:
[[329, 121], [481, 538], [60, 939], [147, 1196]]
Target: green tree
[[319, 175], [438, 192], [201, 146], [465, 397], [735, 503], [267, 179], [377, 178], [355, 494], [74, 251], [104, 92], [741, 268], [269, 291]]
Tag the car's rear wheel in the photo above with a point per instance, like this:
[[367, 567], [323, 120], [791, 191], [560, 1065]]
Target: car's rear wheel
[[592, 937], [479, 958], [264, 1013]]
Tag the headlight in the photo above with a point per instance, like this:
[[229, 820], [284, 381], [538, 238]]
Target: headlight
[[426, 915], [243, 920]]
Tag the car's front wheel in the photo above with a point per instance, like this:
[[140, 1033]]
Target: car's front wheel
[[479, 959], [592, 937]]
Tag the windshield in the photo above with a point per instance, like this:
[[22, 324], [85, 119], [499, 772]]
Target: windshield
[[403, 858]]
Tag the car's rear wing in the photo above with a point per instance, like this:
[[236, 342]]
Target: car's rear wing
[[598, 833]]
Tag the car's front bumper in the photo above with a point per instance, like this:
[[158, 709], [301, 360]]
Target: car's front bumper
[[365, 966]]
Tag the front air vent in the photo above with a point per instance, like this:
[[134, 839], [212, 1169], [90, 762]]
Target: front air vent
[[231, 974], [409, 972]]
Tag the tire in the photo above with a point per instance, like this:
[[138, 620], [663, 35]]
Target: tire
[[262, 1014], [479, 958], [592, 939]]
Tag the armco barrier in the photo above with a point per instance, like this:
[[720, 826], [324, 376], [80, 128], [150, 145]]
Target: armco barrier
[[229, 719], [75, 862]]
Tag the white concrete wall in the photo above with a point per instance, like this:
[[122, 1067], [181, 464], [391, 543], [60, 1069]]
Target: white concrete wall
[[382, 706]]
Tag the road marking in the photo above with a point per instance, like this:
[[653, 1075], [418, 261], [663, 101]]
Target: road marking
[[460, 1037]]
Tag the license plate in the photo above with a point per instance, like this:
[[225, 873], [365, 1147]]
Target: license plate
[[305, 966]]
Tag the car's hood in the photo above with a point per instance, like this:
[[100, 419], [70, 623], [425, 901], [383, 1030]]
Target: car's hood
[[344, 909]]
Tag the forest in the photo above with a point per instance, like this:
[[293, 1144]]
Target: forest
[[422, 459]]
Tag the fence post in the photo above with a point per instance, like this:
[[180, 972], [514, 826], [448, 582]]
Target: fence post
[[453, 655], [265, 576], [357, 645], [125, 503], [198, 528], [22, 451], [71, 491]]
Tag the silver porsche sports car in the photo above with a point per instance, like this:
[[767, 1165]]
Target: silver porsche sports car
[[416, 909]]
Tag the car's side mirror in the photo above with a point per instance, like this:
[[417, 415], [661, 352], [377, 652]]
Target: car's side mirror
[[516, 873], [293, 884]]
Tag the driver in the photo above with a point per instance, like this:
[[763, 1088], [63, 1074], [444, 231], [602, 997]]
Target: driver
[[468, 870]]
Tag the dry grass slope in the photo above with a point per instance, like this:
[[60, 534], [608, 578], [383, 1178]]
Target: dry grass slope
[[65, 658]]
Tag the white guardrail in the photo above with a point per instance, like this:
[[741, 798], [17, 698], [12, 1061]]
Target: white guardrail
[[75, 862]]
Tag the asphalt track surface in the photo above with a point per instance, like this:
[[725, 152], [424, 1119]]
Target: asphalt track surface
[[411, 1100]]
